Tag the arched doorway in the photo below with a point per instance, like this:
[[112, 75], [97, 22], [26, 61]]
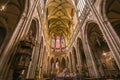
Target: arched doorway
[[112, 11], [103, 58], [83, 64], [63, 63]]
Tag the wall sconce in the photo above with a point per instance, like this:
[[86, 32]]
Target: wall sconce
[[2, 8], [104, 54]]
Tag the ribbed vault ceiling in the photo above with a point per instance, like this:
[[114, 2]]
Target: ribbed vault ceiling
[[12, 12], [59, 18]]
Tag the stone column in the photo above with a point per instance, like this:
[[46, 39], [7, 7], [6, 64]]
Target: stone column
[[33, 63], [13, 41], [90, 59], [73, 63], [111, 37], [41, 60], [39, 63], [8, 53], [70, 62], [78, 56]]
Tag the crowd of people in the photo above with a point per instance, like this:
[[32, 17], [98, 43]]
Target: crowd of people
[[66, 75]]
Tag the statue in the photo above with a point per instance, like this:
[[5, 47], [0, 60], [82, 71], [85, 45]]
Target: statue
[[57, 67]]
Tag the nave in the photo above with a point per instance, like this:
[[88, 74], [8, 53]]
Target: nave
[[59, 39]]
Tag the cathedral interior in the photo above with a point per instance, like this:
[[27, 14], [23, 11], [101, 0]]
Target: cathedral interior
[[47, 39]]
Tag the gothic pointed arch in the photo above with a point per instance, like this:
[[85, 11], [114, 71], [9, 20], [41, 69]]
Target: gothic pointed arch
[[81, 51], [83, 61], [100, 50], [60, 17], [14, 10], [11, 12], [63, 63], [52, 60], [111, 13]]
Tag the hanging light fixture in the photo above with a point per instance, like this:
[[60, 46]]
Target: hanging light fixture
[[3, 7]]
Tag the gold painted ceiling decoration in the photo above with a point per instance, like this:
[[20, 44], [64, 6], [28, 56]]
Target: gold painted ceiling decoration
[[59, 18]]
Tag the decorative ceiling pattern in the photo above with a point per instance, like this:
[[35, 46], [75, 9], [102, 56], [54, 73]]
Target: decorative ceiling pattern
[[59, 17], [11, 13], [113, 14]]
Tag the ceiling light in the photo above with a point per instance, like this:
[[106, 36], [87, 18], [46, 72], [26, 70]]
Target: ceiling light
[[2, 8]]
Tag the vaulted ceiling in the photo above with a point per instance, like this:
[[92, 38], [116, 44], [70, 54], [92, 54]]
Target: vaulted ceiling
[[59, 18], [12, 12], [113, 14]]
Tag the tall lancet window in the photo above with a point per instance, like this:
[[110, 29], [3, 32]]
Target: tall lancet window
[[57, 43], [62, 44], [53, 44]]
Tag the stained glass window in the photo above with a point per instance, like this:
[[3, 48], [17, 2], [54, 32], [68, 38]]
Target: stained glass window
[[58, 42], [62, 42], [53, 42]]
